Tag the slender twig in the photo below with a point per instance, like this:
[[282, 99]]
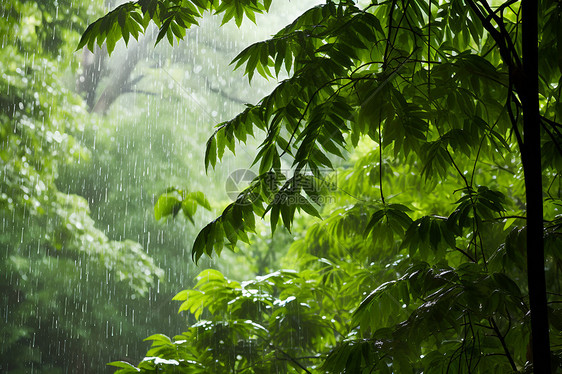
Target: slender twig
[[465, 253], [502, 341], [477, 158], [390, 19], [552, 123], [293, 360], [476, 227], [380, 164], [512, 118], [552, 137], [505, 5]]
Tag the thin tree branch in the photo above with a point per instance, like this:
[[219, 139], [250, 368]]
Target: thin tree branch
[[504, 345], [293, 360]]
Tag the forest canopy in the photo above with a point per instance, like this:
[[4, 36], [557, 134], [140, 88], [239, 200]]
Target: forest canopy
[[412, 149], [437, 223], [452, 97]]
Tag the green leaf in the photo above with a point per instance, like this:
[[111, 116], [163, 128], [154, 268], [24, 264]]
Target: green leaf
[[200, 198], [211, 153], [167, 204], [163, 30], [308, 207], [159, 339], [274, 217], [189, 208], [124, 365]]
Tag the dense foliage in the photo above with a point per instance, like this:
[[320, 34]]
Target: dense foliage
[[55, 263], [419, 264]]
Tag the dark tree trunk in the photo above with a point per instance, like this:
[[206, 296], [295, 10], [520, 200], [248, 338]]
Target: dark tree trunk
[[93, 67], [533, 182], [120, 79]]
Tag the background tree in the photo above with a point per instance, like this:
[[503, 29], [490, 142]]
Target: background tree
[[444, 93]]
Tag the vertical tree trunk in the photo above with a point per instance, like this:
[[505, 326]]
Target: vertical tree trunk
[[93, 65], [120, 79], [533, 182]]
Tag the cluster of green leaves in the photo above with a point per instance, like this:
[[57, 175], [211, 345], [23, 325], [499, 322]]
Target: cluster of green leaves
[[337, 91], [259, 325], [176, 200], [172, 17], [428, 226]]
